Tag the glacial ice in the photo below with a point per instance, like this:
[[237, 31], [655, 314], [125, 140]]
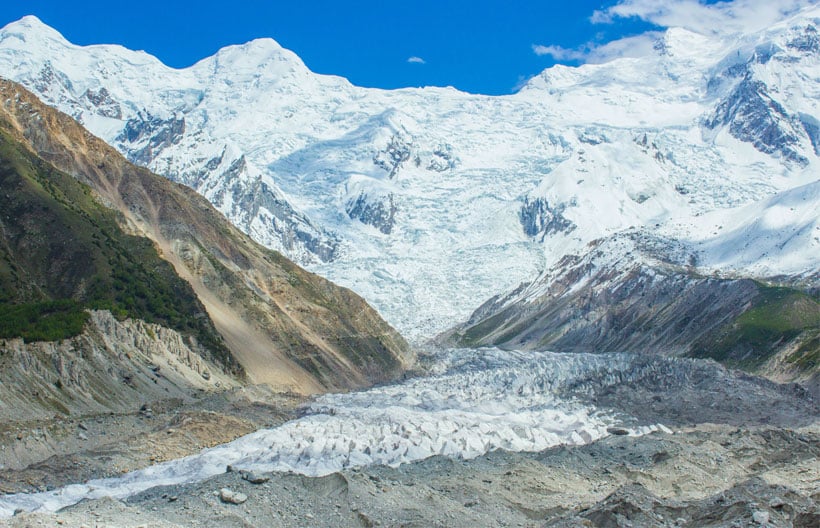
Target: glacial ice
[[473, 402]]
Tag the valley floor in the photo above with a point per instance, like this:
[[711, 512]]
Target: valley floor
[[742, 451], [709, 475], [43, 455]]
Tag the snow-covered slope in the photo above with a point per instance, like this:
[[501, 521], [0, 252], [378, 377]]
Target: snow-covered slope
[[776, 236], [429, 201]]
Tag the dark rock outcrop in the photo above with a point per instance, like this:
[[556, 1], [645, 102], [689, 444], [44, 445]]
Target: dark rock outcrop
[[391, 159], [540, 220], [805, 40], [754, 116], [145, 136], [294, 230], [103, 104], [378, 213]]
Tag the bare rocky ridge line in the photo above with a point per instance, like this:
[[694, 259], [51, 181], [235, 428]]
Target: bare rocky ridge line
[[113, 366], [628, 295]]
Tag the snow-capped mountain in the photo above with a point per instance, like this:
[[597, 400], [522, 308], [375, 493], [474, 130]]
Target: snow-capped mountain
[[429, 201]]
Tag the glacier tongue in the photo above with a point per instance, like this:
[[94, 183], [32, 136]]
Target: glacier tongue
[[475, 402]]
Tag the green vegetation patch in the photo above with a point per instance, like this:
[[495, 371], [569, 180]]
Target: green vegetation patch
[[62, 251], [807, 355], [477, 335], [778, 316], [43, 321]]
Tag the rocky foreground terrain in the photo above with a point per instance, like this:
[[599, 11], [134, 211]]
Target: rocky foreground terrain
[[44, 454], [743, 452], [707, 475]]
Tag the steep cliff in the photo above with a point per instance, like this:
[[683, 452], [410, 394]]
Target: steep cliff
[[112, 366]]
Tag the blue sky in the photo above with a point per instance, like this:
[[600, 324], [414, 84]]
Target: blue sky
[[479, 46]]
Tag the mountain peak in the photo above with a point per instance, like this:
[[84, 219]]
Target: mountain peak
[[30, 21], [262, 43], [288, 154], [32, 26], [254, 54], [260, 47]]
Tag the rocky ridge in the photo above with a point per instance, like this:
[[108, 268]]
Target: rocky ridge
[[642, 301], [113, 366]]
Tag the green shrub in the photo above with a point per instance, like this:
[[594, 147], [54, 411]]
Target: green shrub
[[42, 321], [778, 315]]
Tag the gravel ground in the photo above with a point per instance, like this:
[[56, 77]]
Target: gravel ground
[[39, 456], [744, 452], [714, 475]]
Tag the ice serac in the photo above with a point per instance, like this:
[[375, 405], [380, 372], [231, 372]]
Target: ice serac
[[270, 319], [472, 403], [429, 201]]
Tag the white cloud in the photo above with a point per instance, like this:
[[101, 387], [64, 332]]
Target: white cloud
[[638, 46], [562, 54], [416, 60], [721, 18], [735, 16]]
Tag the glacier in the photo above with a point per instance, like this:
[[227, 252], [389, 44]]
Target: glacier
[[473, 402], [428, 201]]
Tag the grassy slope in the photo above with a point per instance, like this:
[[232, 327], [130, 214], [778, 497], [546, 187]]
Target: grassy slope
[[61, 251], [778, 316]]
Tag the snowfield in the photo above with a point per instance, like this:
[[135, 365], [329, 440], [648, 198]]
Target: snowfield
[[429, 201]]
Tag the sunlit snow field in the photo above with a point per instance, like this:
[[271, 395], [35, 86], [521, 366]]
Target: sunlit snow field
[[606, 149]]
